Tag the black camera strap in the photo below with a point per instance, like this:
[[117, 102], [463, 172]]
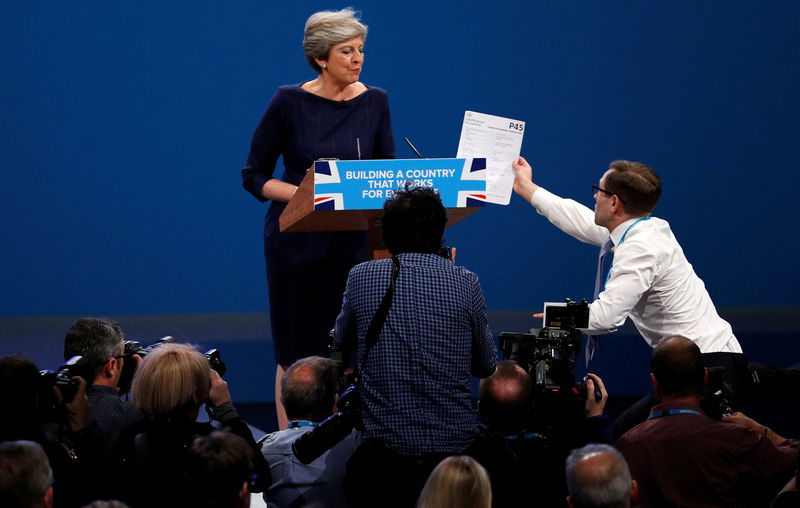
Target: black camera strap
[[376, 325]]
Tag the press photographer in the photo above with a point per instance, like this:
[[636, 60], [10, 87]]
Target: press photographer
[[417, 323]]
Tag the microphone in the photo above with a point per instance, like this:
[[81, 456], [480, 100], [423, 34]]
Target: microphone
[[412, 147]]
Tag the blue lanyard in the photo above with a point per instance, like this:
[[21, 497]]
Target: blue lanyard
[[301, 423], [620, 243], [668, 412]]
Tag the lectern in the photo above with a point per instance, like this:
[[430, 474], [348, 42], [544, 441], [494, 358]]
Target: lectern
[[349, 195]]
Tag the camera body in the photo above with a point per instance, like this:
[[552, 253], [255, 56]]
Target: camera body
[[61, 378], [549, 355], [133, 347]]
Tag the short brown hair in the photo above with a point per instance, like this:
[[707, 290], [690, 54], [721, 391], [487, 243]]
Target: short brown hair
[[636, 185], [172, 379]]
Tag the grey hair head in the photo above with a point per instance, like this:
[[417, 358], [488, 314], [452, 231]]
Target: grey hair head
[[607, 485], [25, 473], [97, 339], [326, 28]]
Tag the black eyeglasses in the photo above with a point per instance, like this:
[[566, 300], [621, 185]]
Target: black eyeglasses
[[597, 189]]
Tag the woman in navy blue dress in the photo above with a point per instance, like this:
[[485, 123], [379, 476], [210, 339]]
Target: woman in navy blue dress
[[331, 116]]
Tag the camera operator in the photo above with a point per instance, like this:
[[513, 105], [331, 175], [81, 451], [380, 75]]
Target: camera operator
[[73, 451], [415, 389], [507, 403], [308, 389], [101, 342]]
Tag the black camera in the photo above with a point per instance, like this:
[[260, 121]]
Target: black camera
[[717, 394], [61, 378], [133, 347], [549, 354], [311, 445]]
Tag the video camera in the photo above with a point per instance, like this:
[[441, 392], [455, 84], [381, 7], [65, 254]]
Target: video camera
[[549, 354], [133, 347], [61, 378]]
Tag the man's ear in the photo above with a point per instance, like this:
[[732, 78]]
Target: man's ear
[[655, 385], [569, 502], [48, 497], [705, 378], [243, 496], [634, 493]]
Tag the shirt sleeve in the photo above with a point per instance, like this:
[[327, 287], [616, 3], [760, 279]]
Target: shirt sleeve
[[268, 142], [569, 216], [484, 353], [632, 274]]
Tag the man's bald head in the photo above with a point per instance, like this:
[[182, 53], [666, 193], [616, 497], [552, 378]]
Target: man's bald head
[[598, 476], [678, 368]]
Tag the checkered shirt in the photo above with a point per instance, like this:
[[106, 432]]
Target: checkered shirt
[[416, 394]]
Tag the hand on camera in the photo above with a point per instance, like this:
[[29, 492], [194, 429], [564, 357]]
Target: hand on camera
[[593, 407]]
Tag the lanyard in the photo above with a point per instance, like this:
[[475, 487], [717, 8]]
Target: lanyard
[[620, 243], [668, 412], [301, 423]]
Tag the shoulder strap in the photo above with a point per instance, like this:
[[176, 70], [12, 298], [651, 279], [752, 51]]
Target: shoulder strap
[[376, 325]]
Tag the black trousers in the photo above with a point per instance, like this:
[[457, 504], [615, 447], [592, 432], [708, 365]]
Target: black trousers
[[748, 381]]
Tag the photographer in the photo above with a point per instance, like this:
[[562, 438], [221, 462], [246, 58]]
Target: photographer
[[101, 343], [72, 450], [415, 390], [171, 384], [681, 457], [309, 390]]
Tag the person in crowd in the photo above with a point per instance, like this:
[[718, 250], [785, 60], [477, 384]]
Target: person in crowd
[[309, 390], [507, 404], [26, 480], [415, 355], [650, 280], [333, 115], [458, 481], [60, 427], [101, 342], [598, 476], [681, 457], [219, 469], [170, 385]]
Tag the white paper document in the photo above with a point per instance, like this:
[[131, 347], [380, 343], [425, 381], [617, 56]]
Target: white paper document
[[500, 141]]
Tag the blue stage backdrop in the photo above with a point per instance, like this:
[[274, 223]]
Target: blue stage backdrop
[[125, 125]]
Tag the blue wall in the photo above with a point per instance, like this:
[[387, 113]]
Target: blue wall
[[125, 124]]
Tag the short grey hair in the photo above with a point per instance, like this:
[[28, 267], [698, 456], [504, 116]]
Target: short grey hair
[[309, 387], [326, 28], [96, 339], [25, 474], [607, 487]]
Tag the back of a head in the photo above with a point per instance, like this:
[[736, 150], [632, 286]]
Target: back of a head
[[678, 367], [172, 380], [309, 387], [25, 474], [637, 186], [96, 339], [506, 398], [217, 467], [20, 384], [457, 482], [598, 477], [413, 220]]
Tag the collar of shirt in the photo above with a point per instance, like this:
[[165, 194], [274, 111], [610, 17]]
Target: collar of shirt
[[619, 231]]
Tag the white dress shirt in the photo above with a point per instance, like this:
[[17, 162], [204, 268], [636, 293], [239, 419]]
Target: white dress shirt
[[650, 279]]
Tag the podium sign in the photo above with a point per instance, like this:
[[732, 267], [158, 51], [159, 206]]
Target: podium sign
[[349, 195], [367, 184]]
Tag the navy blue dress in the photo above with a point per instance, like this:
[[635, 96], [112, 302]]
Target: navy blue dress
[[307, 272]]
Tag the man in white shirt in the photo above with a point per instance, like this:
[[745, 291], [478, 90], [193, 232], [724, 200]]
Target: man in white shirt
[[650, 279]]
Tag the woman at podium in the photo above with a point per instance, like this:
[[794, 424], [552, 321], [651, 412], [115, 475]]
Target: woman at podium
[[333, 116]]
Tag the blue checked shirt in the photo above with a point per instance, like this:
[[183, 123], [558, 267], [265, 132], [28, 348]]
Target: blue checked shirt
[[416, 394]]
